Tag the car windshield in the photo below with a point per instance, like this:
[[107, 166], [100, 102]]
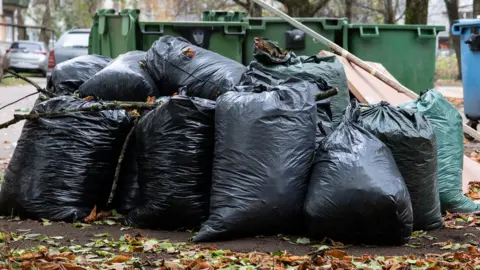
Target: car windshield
[[31, 47], [76, 40]]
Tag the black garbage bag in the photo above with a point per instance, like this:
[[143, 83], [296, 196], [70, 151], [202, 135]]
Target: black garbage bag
[[68, 76], [356, 192], [173, 62], [175, 153], [124, 79], [254, 78], [127, 192], [410, 137], [264, 146], [326, 71], [64, 166]]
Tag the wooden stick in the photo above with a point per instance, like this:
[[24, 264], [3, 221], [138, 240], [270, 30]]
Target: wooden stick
[[120, 161], [352, 58]]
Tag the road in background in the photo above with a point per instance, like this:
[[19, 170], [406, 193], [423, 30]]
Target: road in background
[[10, 135]]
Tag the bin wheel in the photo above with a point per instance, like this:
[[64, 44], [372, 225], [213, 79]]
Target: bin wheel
[[472, 124]]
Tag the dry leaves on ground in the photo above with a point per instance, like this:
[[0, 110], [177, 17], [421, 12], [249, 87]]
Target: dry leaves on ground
[[457, 102], [461, 220]]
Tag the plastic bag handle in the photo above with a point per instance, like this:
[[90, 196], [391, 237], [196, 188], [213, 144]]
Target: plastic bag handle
[[353, 112]]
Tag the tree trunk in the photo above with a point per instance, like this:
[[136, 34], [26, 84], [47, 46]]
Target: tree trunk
[[22, 32], [303, 8], [349, 9], [452, 10], [46, 21], [416, 12], [389, 15], [254, 10], [476, 8]]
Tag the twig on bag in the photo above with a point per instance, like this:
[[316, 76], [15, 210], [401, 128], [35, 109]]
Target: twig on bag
[[39, 89], [327, 94], [120, 161], [97, 107], [20, 99]]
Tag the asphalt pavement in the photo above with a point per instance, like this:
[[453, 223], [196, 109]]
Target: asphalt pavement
[[10, 135]]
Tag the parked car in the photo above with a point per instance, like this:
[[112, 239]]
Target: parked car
[[71, 44], [28, 56]]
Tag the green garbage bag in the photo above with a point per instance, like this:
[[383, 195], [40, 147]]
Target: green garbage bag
[[326, 71], [447, 125]]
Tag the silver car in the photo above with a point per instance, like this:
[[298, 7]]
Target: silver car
[[71, 44], [28, 56]]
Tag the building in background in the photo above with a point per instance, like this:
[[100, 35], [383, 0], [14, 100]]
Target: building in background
[[10, 12]]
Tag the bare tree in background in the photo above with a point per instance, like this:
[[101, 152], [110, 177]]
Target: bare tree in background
[[303, 8], [46, 21], [253, 9], [416, 12], [476, 8], [389, 13], [452, 10], [349, 9], [22, 32], [368, 11]]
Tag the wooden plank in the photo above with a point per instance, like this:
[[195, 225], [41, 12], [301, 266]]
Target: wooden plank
[[369, 89]]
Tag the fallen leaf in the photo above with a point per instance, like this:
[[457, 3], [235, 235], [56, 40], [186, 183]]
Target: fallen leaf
[[303, 241], [89, 98], [121, 258], [46, 222], [92, 217], [339, 254], [80, 225], [188, 51], [151, 100], [103, 253], [102, 235]]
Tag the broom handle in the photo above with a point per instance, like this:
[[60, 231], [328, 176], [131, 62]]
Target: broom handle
[[353, 59]]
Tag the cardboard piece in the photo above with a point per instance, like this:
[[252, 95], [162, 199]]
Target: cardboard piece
[[369, 89]]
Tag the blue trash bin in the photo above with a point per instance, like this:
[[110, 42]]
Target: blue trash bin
[[469, 32]]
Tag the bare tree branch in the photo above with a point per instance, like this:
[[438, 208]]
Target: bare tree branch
[[120, 161], [242, 4], [370, 8], [319, 4], [97, 107]]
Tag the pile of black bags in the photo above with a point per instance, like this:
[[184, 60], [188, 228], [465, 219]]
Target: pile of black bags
[[230, 150]]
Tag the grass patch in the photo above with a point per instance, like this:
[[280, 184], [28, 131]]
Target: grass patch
[[12, 82], [446, 68]]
